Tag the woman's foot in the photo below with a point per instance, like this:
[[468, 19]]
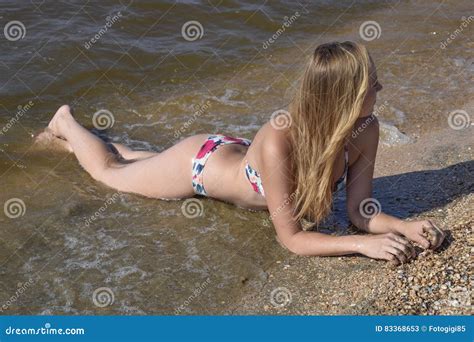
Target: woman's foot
[[47, 140], [58, 119]]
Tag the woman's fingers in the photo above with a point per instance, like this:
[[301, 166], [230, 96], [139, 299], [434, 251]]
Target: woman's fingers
[[391, 258], [399, 254], [440, 234], [405, 247], [435, 235], [421, 240], [402, 247]]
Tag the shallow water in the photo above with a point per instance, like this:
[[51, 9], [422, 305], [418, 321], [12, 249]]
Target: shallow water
[[160, 88]]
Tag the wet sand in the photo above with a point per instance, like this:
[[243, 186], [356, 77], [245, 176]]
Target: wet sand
[[430, 178]]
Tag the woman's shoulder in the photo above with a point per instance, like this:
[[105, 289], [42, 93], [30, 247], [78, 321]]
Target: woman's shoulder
[[273, 139], [364, 137]]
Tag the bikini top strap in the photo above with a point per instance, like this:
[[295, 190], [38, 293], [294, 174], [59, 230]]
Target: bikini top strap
[[346, 156]]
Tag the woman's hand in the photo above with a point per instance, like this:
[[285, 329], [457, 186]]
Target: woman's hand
[[425, 233], [389, 246]]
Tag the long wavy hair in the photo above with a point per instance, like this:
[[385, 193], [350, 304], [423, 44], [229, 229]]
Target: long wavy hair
[[323, 111]]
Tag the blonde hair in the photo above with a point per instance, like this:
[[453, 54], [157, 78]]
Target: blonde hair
[[323, 111]]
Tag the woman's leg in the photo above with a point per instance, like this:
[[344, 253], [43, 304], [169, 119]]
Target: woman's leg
[[161, 175], [128, 153], [47, 138]]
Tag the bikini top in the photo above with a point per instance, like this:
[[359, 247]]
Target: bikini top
[[256, 181]]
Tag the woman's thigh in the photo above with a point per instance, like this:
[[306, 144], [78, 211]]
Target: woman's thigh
[[166, 175]]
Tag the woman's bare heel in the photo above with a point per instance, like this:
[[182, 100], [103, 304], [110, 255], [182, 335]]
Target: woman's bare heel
[[51, 137], [47, 140], [61, 114]]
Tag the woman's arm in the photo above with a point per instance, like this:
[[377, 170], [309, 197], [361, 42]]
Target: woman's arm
[[275, 173], [360, 204]]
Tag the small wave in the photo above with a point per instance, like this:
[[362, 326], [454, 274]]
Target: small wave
[[133, 143], [468, 64], [152, 124], [399, 115], [238, 129], [28, 265], [226, 99], [97, 263], [391, 136], [130, 310], [57, 309], [125, 271]]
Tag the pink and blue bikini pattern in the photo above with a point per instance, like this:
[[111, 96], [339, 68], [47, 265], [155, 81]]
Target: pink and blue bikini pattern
[[254, 179], [209, 146], [341, 182], [214, 141]]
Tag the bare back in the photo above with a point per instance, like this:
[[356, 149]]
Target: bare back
[[225, 177]]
